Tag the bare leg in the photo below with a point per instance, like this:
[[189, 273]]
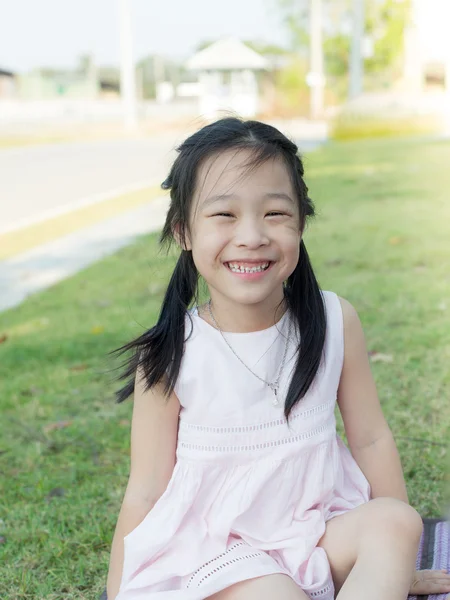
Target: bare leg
[[384, 566], [372, 550]]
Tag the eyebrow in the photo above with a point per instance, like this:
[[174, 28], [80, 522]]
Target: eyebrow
[[268, 195], [280, 195]]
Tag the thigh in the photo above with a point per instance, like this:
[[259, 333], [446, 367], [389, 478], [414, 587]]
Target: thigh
[[268, 587], [345, 534]]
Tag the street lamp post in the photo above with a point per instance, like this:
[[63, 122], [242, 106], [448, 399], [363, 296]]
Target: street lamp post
[[356, 52], [127, 71], [315, 78]]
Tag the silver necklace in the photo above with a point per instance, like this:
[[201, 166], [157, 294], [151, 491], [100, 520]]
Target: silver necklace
[[273, 385]]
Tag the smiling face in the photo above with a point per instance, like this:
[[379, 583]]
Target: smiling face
[[244, 230]]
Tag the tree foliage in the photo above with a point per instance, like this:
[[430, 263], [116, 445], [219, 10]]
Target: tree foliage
[[385, 24]]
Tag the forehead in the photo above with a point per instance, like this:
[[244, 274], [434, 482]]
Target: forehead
[[233, 171]]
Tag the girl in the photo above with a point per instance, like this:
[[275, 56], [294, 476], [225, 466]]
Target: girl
[[240, 488]]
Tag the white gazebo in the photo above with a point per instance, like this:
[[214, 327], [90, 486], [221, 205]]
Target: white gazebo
[[227, 77]]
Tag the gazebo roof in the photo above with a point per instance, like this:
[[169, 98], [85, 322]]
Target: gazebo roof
[[226, 54]]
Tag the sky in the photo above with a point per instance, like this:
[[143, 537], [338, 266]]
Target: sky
[[432, 17], [53, 33]]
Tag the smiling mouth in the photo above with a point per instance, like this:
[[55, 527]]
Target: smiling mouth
[[235, 267]]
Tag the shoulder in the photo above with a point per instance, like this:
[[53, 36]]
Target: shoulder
[[194, 328], [353, 331], [352, 343], [347, 310], [349, 313], [343, 306], [343, 312]]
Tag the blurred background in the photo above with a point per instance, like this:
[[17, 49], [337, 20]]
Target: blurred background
[[84, 65], [94, 98]]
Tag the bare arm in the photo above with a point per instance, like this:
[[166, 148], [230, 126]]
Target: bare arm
[[154, 431], [369, 437]]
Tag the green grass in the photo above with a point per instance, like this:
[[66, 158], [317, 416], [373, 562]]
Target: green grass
[[381, 239], [348, 126]]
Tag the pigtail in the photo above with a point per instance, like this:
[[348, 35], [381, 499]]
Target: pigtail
[[159, 350], [305, 302]]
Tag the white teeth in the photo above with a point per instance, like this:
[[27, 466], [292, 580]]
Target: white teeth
[[237, 268]]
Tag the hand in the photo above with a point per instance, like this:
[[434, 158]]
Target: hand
[[430, 582]]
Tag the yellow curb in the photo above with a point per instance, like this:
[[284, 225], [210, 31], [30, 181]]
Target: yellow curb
[[96, 133], [21, 142], [16, 242]]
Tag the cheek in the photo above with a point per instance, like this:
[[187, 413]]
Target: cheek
[[290, 239], [291, 250], [208, 244]]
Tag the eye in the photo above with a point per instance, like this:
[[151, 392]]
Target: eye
[[276, 213], [222, 214]]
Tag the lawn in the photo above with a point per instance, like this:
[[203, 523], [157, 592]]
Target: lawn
[[381, 239]]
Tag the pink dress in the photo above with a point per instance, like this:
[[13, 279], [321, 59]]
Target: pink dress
[[249, 495]]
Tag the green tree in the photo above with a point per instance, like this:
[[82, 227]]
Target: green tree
[[386, 25], [386, 21]]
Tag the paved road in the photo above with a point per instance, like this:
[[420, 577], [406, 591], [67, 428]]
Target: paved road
[[51, 177], [45, 265], [36, 181]]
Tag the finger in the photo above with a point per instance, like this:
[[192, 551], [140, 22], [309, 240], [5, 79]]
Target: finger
[[431, 586], [444, 586], [436, 577]]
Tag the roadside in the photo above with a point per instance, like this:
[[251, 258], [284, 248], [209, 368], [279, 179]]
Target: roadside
[[90, 211], [20, 136], [37, 269], [69, 236], [381, 240]]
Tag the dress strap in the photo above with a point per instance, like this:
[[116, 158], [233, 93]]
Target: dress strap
[[335, 328]]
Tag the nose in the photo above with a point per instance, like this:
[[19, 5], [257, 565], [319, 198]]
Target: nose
[[251, 233]]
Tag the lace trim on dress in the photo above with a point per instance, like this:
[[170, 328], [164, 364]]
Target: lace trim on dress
[[321, 592], [214, 566], [270, 444], [259, 426], [201, 575]]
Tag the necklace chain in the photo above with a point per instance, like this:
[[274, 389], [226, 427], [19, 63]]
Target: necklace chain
[[273, 385]]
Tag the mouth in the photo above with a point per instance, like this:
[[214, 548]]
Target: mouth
[[248, 267]]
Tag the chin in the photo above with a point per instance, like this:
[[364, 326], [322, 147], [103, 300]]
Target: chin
[[248, 298]]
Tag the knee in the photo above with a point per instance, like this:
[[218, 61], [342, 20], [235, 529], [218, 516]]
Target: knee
[[397, 518]]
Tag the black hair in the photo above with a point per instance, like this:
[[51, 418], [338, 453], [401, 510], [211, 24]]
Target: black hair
[[159, 351]]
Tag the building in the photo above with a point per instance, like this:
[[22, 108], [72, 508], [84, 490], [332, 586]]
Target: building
[[7, 84], [427, 47], [227, 76]]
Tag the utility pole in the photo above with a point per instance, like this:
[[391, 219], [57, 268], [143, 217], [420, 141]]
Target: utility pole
[[315, 78], [356, 52], [127, 69]]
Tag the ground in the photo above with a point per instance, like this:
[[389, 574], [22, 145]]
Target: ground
[[381, 239]]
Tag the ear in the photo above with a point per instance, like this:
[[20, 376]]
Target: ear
[[184, 245]]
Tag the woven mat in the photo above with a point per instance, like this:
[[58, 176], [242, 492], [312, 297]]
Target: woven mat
[[433, 552]]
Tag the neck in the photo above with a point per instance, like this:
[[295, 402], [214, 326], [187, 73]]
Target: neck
[[245, 318]]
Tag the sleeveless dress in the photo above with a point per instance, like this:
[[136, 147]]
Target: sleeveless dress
[[249, 495]]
